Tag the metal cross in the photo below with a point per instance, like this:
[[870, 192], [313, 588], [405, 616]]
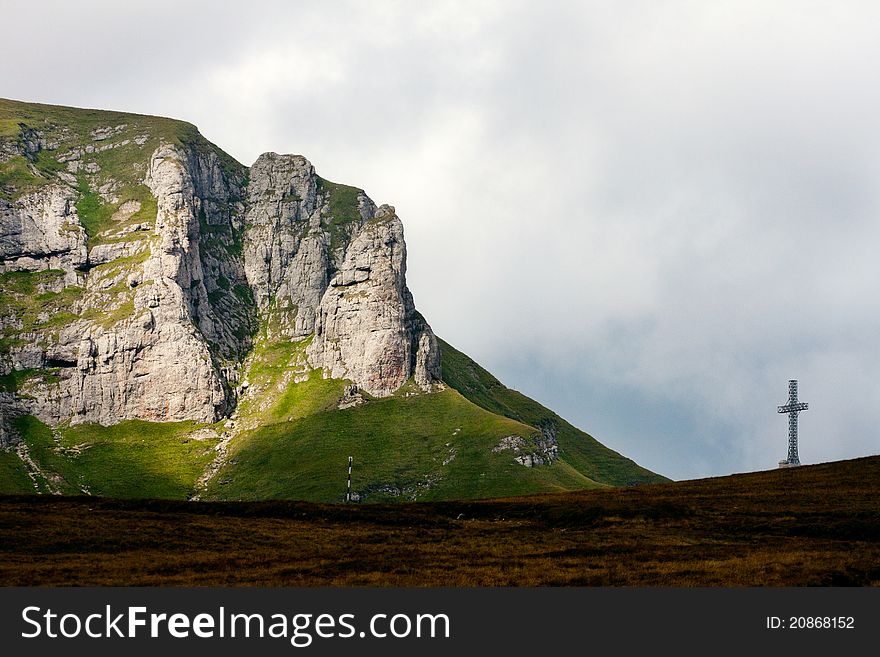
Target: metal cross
[[793, 407]]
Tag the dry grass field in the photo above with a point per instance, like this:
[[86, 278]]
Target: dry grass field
[[814, 525]]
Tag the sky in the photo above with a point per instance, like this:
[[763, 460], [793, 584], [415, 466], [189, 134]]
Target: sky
[[646, 215]]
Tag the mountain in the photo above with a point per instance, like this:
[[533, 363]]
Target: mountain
[[175, 324]]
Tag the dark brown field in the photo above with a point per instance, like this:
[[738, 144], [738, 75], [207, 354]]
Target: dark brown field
[[815, 525]]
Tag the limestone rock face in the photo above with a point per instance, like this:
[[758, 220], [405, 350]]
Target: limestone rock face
[[156, 363], [148, 339], [41, 231], [322, 259], [152, 314], [146, 368], [367, 328], [197, 262], [285, 249]]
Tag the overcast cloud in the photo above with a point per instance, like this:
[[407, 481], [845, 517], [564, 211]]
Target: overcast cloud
[[647, 215]]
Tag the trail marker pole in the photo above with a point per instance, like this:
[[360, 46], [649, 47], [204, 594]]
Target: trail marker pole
[[348, 491]]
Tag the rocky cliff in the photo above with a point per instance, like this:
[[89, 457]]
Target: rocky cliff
[[322, 259], [138, 261], [174, 324]]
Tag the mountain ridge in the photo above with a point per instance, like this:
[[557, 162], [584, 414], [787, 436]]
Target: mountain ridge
[[148, 276]]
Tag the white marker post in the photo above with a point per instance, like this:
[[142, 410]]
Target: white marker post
[[348, 492]]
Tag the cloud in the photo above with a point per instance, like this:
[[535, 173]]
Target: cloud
[[647, 215]]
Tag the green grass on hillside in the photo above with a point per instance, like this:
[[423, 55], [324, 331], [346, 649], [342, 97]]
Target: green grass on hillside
[[315, 395], [16, 177], [13, 476], [47, 165], [272, 396], [429, 446], [129, 459], [576, 447], [9, 127], [96, 216], [93, 213], [28, 282], [294, 439]]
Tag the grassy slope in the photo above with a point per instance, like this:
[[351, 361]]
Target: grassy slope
[[13, 477], [296, 442], [397, 442], [130, 459], [578, 449]]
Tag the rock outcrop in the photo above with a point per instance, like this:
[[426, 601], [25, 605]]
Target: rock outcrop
[[285, 246], [137, 269], [143, 339], [322, 259], [367, 328], [42, 231]]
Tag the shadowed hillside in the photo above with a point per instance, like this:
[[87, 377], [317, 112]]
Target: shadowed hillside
[[814, 525]]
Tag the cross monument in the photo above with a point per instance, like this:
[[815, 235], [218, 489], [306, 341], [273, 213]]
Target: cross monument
[[793, 407]]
